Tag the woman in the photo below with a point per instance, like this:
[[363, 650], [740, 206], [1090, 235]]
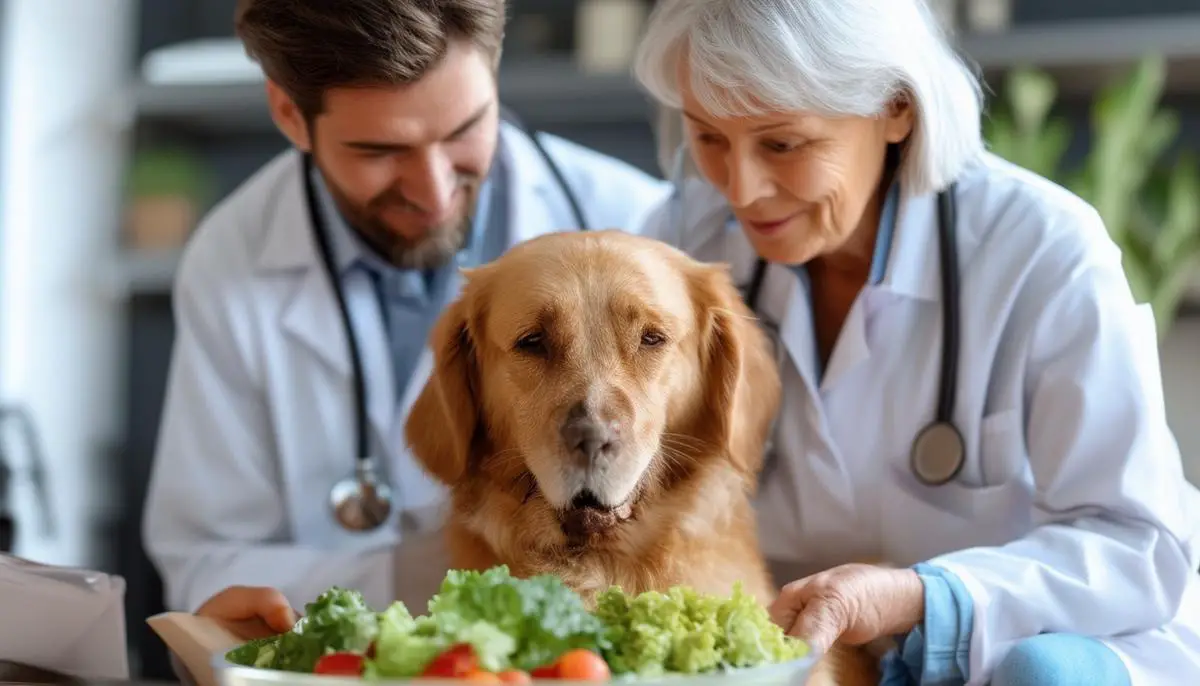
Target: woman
[[1061, 551]]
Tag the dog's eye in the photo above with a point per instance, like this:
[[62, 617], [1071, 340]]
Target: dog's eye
[[653, 339], [531, 343]]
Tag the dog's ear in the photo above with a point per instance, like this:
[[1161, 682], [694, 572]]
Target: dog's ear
[[741, 380], [443, 422]]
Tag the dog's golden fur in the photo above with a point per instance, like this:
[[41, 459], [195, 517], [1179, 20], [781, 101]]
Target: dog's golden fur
[[634, 334]]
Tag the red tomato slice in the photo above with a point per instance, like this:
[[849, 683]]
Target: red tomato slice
[[583, 665], [545, 672], [456, 661], [340, 664]]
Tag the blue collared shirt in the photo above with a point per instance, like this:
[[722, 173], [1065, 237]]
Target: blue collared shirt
[[410, 299]]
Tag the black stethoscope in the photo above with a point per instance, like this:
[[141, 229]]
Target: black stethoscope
[[938, 452], [364, 501]]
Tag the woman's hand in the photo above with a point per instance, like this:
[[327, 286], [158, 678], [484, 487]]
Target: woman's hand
[[854, 604], [250, 611]]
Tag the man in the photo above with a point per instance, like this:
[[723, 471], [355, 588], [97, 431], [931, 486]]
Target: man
[[413, 176]]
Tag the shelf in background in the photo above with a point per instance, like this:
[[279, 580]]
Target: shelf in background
[[1082, 54], [143, 272], [545, 92], [1085, 43], [1085, 54]]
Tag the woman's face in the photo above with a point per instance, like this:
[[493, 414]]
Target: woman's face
[[800, 184]]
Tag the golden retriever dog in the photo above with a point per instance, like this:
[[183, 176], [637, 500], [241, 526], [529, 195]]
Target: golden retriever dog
[[598, 409]]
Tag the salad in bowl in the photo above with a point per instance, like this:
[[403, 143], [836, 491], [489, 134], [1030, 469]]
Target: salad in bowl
[[491, 627]]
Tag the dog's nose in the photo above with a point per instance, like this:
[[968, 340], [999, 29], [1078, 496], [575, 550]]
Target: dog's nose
[[589, 436]]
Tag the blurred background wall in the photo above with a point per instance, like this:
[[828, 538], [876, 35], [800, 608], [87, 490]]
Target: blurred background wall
[[122, 121]]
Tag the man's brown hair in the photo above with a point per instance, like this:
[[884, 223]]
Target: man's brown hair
[[310, 46]]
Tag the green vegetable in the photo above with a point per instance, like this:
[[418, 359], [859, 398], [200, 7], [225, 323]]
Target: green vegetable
[[405, 644], [247, 654], [683, 631], [542, 616], [337, 620], [527, 623]]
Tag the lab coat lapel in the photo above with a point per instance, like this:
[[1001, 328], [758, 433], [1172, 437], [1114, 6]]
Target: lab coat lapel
[[536, 205], [311, 317], [913, 266], [808, 424], [851, 348], [799, 337], [798, 334], [313, 321], [912, 273]]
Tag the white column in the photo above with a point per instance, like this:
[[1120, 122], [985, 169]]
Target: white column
[[61, 166]]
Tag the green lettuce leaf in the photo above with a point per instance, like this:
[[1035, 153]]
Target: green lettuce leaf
[[683, 631]]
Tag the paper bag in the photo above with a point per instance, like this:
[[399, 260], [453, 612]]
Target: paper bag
[[70, 621], [194, 642]]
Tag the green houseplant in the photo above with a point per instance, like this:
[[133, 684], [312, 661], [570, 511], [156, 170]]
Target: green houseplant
[[165, 189], [1151, 208]]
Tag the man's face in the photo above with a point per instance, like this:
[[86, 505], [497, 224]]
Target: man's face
[[405, 163]]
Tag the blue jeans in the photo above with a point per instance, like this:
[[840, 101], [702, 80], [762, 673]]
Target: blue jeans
[[1060, 660]]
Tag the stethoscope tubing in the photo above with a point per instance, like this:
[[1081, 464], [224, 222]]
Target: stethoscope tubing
[[320, 232]]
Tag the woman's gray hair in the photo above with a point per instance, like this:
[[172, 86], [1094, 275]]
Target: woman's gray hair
[[830, 57]]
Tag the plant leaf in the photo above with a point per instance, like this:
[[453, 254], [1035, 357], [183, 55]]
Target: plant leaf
[[1173, 285], [1124, 114], [1055, 140], [1031, 94], [1181, 218], [1139, 268]]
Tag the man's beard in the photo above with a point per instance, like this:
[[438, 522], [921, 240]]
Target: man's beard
[[436, 248]]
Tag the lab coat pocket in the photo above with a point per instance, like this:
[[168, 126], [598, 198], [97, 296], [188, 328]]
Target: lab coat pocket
[[989, 504], [1001, 448], [922, 521]]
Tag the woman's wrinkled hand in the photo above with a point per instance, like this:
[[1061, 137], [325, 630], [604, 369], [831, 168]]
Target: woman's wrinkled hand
[[250, 611], [853, 604]]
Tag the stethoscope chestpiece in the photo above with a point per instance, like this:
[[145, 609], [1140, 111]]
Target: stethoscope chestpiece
[[938, 454], [362, 502]]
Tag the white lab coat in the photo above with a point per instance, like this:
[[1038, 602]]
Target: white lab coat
[[258, 423], [1072, 513]]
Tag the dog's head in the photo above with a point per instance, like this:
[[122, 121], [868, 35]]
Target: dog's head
[[581, 372]]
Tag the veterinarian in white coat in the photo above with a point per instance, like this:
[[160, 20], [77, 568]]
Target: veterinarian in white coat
[[1063, 548], [259, 420]]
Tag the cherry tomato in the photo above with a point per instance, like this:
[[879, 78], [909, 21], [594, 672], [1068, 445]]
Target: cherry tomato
[[482, 677], [583, 665], [545, 672], [515, 676], [341, 664], [457, 661]]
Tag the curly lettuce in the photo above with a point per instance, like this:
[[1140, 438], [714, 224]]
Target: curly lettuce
[[684, 631]]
